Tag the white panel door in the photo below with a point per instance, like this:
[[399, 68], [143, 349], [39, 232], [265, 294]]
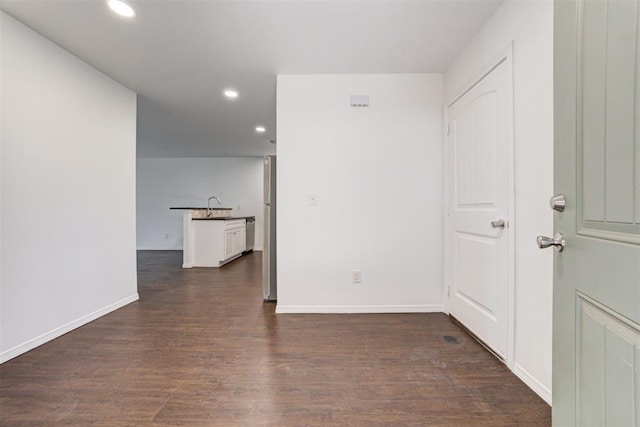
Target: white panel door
[[478, 158], [596, 289]]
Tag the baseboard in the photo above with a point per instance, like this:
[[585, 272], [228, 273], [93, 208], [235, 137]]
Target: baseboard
[[42, 339], [356, 309], [155, 248], [533, 383]]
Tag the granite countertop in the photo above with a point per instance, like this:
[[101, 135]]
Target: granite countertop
[[229, 218], [215, 208]]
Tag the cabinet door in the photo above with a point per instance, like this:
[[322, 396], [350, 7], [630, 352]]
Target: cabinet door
[[229, 243], [241, 240]]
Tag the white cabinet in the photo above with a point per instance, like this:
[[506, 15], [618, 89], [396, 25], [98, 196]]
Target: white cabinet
[[234, 237], [216, 242]]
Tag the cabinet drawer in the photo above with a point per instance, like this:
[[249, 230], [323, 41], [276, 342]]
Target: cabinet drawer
[[236, 223]]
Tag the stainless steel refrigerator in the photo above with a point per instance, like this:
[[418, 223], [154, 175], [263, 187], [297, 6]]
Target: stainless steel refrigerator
[[269, 287]]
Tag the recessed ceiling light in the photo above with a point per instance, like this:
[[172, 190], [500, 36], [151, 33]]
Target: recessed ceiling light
[[230, 93], [261, 129], [121, 8]]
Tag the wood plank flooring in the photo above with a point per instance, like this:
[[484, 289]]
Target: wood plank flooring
[[201, 348]]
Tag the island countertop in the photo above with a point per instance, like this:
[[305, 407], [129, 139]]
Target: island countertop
[[228, 218], [199, 209], [212, 218]]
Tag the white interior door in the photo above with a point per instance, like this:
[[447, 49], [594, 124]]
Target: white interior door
[[478, 151], [596, 300]]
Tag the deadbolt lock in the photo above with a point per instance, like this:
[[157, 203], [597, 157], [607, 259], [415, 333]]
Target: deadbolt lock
[[558, 202]]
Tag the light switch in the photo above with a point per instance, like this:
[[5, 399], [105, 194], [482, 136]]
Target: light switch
[[313, 199], [359, 100]]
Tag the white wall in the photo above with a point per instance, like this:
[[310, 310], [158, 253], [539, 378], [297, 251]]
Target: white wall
[[377, 172], [529, 24], [189, 182], [68, 191]]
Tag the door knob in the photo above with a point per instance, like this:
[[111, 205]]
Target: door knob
[[558, 202], [557, 241], [498, 223]]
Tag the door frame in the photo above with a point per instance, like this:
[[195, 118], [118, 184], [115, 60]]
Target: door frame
[[505, 56]]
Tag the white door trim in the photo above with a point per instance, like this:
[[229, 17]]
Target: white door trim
[[505, 56]]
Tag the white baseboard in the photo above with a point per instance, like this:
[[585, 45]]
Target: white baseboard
[[255, 249], [533, 383], [356, 309], [57, 332], [155, 248]]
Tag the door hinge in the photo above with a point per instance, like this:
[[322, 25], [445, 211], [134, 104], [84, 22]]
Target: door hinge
[[448, 290], [446, 129]]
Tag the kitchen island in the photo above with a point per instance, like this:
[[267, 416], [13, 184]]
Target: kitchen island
[[212, 238]]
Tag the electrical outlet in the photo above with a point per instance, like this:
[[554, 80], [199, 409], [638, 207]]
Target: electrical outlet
[[166, 235], [313, 199], [356, 276]]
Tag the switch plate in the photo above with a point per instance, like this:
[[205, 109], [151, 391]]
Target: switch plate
[[313, 199], [356, 276], [359, 100]]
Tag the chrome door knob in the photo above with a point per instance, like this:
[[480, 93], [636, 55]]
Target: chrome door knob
[[498, 223], [557, 241]]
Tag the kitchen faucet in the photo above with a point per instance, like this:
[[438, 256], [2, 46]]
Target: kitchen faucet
[[209, 204]]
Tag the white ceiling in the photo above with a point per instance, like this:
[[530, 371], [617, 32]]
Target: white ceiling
[[179, 55]]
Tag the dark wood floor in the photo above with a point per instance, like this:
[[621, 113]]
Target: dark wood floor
[[201, 348]]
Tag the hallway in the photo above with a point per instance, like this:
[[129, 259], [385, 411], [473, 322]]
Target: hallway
[[201, 348]]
